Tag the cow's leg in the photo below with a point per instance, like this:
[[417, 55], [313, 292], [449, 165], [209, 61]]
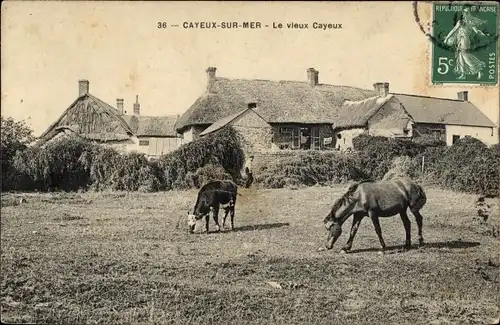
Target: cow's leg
[[226, 212], [407, 225], [232, 216], [216, 217], [207, 221], [418, 218]]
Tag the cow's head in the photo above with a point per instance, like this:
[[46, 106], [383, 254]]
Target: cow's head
[[191, 221]]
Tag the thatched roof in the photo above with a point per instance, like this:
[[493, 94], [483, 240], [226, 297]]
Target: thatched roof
[[425, 109], [277, 101], [73, 131], [299, 102], [153, 126], [91, 117], [356, 114]]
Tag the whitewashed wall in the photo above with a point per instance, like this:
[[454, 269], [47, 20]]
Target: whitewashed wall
[[485, 134], [346, 138]]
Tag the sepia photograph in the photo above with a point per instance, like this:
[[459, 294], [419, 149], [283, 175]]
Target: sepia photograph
[[238, 162]]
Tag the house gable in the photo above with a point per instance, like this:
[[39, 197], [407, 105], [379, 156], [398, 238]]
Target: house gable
[[90, 115], [391, 119]]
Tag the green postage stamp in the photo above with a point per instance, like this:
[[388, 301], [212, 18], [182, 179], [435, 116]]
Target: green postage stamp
[[465, 43]]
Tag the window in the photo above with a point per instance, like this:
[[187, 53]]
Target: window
[[286, 130], [144, 142], [455, 138], [339, 136]]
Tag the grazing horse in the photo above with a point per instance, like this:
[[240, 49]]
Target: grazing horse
[[209, 199], [375, 200]]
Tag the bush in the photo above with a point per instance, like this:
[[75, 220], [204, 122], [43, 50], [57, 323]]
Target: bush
[[310, 168], [206, 174], [401, 167], [15, 137], [72, 164], [220, 149], [470, 166], [429, 141], [56, 166], [376, 154]]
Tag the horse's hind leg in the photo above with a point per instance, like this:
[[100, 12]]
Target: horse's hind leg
[[418, 218], [378, 230], [356, 221], [407, 225]]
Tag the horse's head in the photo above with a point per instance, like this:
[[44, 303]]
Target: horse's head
[[341, 209], [334, 233]]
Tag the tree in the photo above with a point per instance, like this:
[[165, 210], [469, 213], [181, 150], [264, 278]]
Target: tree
[[15, 135]]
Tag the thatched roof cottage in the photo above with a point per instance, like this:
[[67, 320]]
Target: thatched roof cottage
[[92, 119]]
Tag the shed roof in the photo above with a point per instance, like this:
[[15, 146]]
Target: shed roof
[[153, 126], [227, 120], [357, 113], [426, 109]]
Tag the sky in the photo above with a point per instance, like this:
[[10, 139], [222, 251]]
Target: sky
[[48, 46]]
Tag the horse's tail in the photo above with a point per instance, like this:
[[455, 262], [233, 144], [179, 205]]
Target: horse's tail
[[420, 199]]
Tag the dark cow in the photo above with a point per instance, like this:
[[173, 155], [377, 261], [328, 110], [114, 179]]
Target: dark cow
[[209, 199]]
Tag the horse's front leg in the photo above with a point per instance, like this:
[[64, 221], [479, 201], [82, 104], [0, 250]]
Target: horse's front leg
[[356, 221], [407, 225], [378, 230]]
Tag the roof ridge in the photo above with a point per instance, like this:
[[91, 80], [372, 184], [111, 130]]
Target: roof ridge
[[293, 81], [114, 112], [432, 97]]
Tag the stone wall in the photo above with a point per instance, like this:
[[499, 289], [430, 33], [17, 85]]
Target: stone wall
[[254, 140]]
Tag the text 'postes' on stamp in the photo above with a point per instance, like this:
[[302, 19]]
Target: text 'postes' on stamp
[[465, 43]]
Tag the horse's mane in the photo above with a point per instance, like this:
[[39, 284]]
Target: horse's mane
[[348, 195]]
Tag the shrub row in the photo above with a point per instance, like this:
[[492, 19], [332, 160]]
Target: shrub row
[[73, 164], [467, 166], [310, 168]]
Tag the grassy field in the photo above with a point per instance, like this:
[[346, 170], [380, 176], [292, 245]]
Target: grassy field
[[121, 258]]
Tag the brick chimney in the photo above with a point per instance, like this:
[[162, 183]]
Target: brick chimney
[[252, 105], [210, 78], [137, 106], [463, 96], [83, 87], [312, 77], [382, 88], [119, 105]]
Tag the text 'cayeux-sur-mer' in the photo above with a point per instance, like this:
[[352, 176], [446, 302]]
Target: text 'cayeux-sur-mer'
[[256, 25]]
